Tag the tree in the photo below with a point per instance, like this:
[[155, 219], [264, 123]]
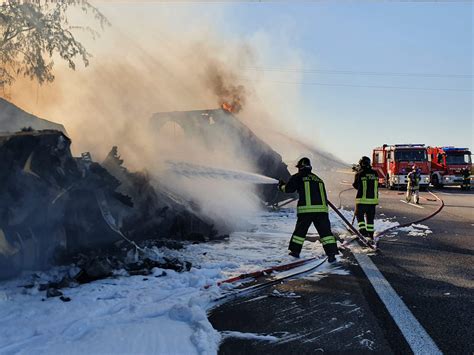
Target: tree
[[31, 32]]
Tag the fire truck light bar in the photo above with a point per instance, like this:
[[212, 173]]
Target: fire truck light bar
[[409, 145], [455, 149]]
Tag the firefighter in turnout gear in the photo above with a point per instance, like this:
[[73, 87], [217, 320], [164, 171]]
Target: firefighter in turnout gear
[[413, 187], [312, 208], [466, 182], [366, 182]]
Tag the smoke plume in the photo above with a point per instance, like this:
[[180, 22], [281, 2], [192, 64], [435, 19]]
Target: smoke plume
[[161, 63], [230, 96]]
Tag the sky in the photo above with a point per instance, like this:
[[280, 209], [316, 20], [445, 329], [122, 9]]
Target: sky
[[424, 45], [367, 73], [346, 76]]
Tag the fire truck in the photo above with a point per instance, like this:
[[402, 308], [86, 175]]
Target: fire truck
[[448, 165], [394, 162]]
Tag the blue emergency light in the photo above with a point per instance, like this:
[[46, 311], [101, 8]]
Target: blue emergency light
[[409, 145], [453, 149]]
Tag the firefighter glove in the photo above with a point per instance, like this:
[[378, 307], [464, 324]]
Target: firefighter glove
[[281, 183]]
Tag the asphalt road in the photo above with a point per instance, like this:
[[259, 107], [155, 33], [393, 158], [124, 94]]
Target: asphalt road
[[433, 275]]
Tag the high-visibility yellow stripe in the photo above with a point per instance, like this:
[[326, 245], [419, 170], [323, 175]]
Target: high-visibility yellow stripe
[[328, 240], [364, 189], [368, 201], [310, 209], [364, 199], [297, 240], [321, 191], [307, 193]]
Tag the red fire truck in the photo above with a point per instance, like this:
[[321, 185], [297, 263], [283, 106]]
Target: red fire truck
[[394, 162], [448, 165]]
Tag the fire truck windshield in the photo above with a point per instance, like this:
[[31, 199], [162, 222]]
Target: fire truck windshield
[[410, 155], [458, 159]]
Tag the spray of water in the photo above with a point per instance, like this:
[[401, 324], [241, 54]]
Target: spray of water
[[200, 171]]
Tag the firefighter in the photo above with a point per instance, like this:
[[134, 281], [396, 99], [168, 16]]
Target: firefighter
[[413, 187], [466, 183], [312, 208], [366, 182]]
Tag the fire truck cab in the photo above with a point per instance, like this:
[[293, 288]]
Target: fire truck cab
[[394, 162], [448, 165]]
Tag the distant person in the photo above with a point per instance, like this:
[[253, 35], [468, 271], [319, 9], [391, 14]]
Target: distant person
[[413, 187], [466, 182], [366, 182], [312, 208]]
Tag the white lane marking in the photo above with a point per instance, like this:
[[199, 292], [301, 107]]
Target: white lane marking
[[416, 336], [411, 204]]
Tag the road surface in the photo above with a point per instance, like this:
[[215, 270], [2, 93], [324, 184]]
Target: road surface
[[432, 275]]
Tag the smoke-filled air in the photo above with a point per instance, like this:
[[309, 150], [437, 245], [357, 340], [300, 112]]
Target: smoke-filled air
[[136, 73], [227, 177]]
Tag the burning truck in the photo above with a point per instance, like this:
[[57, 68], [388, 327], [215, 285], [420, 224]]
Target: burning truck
[[54, 205], [218, 128]]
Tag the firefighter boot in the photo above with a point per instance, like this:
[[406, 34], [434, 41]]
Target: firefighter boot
[[330, 248], [294, 254], [416, 197]]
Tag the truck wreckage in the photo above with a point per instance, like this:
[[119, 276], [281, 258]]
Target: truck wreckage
[[54, 206]]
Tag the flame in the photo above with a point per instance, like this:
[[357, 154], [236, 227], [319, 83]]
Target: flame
[[227, 107]]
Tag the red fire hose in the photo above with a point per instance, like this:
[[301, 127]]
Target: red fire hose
[[266, 271], [349, 224], [417, 221], [351, 227]]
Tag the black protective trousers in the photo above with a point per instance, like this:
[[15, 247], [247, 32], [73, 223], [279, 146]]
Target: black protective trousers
[[323, 226], [365, 218]]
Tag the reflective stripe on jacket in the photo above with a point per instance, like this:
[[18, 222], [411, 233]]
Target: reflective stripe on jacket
[[311, 191], [366, 182]]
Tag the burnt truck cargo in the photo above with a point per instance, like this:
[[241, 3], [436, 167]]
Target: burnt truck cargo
[[55, 205], [49, 200], [219, 128], [13, 119], [157, 213]]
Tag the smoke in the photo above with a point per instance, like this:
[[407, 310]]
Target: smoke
[[166, 60], [231, 97]]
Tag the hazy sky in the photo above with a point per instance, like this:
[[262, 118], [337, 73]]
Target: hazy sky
[[414, 45], [366, 73]]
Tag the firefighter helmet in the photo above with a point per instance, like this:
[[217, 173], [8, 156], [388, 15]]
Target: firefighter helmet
[[304, 163], [364, 162]]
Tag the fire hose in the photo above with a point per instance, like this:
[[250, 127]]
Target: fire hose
[[351, 227], [259, 273], [275, 280], [417, 221], [359, 236]]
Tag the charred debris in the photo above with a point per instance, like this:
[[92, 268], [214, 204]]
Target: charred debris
[[60, 209]]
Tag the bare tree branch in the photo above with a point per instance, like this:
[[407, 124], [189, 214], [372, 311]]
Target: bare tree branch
[[31, 32]]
